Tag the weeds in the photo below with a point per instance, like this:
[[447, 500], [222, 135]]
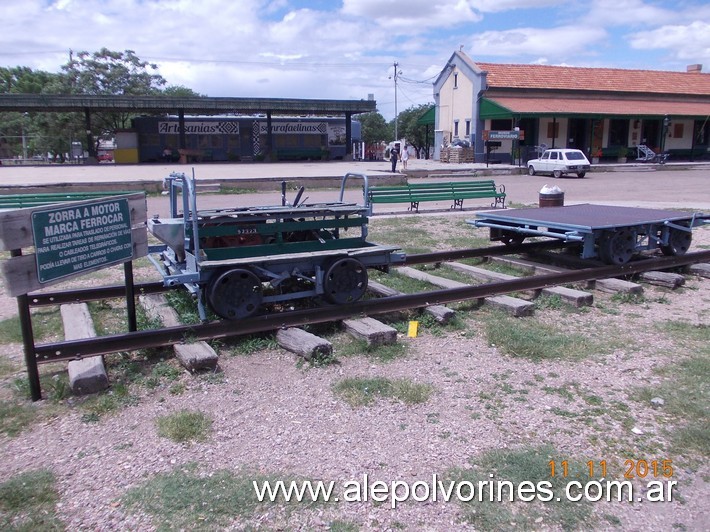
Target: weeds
[[27, 502], [501, 471], [365, 391], [185, 500], [536, 341], [185, 426]]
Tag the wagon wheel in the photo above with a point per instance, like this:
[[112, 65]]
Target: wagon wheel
[[235, 294], [557, 174], [531, 170], [678, 242], [510, 238], [617, 247], [345, 281]]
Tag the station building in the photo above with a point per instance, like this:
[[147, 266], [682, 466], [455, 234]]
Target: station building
[[605, 112]]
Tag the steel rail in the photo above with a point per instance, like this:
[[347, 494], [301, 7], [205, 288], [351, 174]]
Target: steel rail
[[75, 349], [79, 295]]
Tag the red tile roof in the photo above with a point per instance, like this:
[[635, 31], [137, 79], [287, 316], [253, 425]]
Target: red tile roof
[[595, 79], [600, 106]]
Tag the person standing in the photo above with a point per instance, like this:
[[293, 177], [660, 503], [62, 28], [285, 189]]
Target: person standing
[[394, 157], [405, 157]]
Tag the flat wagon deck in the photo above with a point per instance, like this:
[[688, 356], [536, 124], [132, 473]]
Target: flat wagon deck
[[611, 233]]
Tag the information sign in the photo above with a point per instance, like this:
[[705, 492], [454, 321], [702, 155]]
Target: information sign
[[503, 135], [72, 239]]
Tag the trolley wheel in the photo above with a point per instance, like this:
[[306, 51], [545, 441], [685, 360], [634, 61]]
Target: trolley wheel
[[531, 170], [235, 294], [617, 247], [557, 174], [345, 281], [678, 242], [510, 238]]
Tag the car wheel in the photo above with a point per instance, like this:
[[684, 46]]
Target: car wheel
[[531, 170], [581, 174], [557, 174]]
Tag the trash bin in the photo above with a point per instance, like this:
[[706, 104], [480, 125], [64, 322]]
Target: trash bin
[[551, 196]]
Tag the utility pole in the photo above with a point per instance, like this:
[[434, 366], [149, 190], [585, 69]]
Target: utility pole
[[396, 73]]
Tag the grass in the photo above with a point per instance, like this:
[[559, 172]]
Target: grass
[[685, 389], [528, 464], [537, 341], [250, 344], [186, 500], [15, 416], [45, 324], [28, 502], [107, 402], [185, 426], [365, 391], [402, 283]]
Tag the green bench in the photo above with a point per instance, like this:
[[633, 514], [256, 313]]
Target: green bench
[[456, 191], [21, 201]]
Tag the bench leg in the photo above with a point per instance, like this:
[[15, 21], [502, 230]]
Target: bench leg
[[414, 206], [457, 203]]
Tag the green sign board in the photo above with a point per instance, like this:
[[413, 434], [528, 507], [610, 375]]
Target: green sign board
[[72, 239]]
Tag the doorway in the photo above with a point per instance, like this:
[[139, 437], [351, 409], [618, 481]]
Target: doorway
[[651, 134], [579, 133]]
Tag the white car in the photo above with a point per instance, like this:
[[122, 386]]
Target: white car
[[559, 162]]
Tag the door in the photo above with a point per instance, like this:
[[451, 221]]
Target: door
[[651, 134], [579, 133]]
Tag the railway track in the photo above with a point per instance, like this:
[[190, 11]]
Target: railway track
[[76, 349]]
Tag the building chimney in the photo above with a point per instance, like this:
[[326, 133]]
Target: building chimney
[[695, 68]]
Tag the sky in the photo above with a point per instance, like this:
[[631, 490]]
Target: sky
[[346, 49]]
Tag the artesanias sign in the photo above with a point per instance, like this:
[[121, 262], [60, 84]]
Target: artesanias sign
[[69, 240]]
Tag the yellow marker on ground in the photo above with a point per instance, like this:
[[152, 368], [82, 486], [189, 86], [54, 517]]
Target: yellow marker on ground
[[413, 328]]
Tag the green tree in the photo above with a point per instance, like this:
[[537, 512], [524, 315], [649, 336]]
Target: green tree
[[409, 129], [374, 128]]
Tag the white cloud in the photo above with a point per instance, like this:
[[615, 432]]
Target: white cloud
[[494, 6], [628, 13], [414, 15], [684, 42], [564, 42]]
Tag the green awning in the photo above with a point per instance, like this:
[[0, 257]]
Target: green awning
[[492, 110], [427, 119]]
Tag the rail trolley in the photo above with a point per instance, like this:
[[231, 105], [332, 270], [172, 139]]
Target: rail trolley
[[611, 233], [247, 260]]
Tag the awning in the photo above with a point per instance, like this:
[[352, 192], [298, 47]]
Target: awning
[[427, 119], [508, 106]]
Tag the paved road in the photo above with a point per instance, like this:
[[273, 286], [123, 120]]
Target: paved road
[[672, 189], [673, 186]]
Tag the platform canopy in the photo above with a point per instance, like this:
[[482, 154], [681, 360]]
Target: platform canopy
[[192, 105]]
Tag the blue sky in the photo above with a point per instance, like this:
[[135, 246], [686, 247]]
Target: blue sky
[[346, 49]]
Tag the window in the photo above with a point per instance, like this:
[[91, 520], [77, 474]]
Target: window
[[456, 128], [618, 132], [678, 131], [456, 80], [505, 124], [468, 127], [553, 155]]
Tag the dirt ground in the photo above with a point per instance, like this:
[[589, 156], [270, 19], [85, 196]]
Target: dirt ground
[[490, 412]]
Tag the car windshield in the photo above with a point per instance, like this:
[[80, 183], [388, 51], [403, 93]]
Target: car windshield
[[574, 155]]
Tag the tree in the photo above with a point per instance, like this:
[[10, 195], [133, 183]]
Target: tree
[[113, 73], [180, 91], [409, 128], [374, 128], [21, 131]]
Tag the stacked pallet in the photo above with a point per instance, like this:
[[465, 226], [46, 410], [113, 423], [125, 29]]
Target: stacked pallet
[[457, 154]]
